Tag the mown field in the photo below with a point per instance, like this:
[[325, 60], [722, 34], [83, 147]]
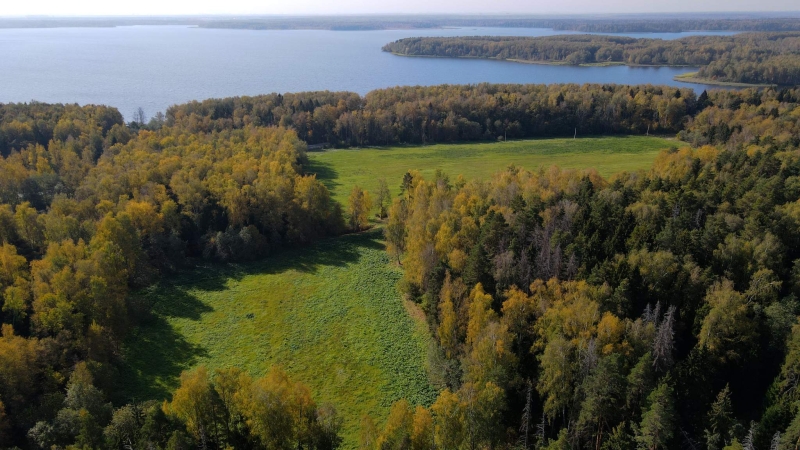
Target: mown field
[[341, 169], [329, 314]]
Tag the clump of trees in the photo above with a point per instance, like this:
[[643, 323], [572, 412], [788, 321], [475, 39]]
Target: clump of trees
[[228, 409], [654, 310], [232, 409], [757, 58]]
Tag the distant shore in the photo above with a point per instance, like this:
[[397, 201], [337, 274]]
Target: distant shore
[[691, 77], [544, 62]]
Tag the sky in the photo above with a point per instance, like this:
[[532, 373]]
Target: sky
[[314, 7]]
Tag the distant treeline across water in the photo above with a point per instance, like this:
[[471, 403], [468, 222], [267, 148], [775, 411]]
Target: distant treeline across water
[[756, 58]]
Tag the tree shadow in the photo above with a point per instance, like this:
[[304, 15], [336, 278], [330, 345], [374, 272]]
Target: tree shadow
[[155, 356], [170, 299], [337, 251], [324, 172]]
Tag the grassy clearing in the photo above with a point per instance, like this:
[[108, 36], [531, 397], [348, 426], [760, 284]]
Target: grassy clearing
[[341, 169], [329, 314]]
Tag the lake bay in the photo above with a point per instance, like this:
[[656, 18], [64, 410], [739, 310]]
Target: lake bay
[[154, 67]]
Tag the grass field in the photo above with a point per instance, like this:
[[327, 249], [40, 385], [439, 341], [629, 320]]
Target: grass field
[[329, 314], [341, 169]]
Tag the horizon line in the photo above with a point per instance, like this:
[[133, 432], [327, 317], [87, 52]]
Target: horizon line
[[398, 14]]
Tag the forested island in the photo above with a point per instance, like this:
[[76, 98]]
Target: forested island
[[749, 58], [653, 309]]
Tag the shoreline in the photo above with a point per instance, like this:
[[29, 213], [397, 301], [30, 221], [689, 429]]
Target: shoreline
[[691, 77], [541, 62]]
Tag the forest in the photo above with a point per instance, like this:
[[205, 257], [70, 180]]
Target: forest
[[448, 113], [650, 310], [569, 311], [753, 58]]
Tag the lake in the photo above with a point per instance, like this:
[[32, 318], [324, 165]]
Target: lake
[[154, 67]]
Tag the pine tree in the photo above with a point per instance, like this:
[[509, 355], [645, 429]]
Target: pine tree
[[721, 421], [657, 427]]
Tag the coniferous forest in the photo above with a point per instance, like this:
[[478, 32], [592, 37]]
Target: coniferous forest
[[655, 309]]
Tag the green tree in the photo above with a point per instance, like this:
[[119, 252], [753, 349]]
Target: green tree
[[395, 230], [483, 406], [721, 422], [604, 391], [727, 331], [383, 198], [657, 427]]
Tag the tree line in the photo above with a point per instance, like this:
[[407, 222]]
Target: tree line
[[653, 23], [756, 58], [650, 310], [449, 113]]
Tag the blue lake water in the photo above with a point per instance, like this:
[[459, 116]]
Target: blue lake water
[[154, 67]]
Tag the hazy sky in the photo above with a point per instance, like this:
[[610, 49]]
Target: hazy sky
[[240, 7]]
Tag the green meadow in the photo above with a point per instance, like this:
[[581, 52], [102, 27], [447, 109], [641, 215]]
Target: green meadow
[[341, 169], [330, 314]]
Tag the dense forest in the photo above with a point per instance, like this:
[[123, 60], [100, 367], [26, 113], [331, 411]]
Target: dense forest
[[651, 310], [755, 58], [92, 208], [446, 113]]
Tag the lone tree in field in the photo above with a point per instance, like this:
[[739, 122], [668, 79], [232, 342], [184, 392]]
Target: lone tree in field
[[358, 207], [383, 198]]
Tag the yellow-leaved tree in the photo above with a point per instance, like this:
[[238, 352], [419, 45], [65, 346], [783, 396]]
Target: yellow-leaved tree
[[358, 206]]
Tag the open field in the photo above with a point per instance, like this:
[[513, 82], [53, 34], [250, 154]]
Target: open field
[[329, 314], [341, 169]]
